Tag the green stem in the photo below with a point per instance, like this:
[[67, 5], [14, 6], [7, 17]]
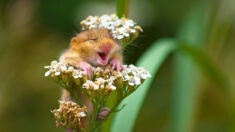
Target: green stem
[[75, 97], [122, 8], [119, 100], [111, 111]]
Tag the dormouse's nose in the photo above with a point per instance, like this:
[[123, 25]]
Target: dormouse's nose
[[106, 45]]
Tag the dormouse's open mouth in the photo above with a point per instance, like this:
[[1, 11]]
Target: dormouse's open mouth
[[102, 55], [103, 58]]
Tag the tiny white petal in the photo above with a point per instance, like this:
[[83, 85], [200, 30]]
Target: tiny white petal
[[126, 34], [119, 37], [133, 30], [112, 87], [47, 67], [82, 114], [47, 73], [137, 80], [63, 69], [144, 76], [95, 87], [131, 83], [57, 73], [76, 76], [58, 110]]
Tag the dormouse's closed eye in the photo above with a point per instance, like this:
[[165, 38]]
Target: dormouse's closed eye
[[92, 39]]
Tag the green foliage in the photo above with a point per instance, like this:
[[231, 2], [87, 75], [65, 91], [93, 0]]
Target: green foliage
[[205, 63], [125, 119], [183, 106]]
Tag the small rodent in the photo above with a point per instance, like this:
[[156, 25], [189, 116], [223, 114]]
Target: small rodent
[[95, 47]]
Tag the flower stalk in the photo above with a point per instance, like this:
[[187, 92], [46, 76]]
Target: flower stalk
[[122, 8]]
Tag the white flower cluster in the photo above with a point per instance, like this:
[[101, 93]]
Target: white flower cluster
[[99, 83], [57, 68], [102, 78], [134, 75], [120, 28]]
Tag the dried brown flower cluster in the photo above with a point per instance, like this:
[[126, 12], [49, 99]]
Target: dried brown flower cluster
[[69, 114]]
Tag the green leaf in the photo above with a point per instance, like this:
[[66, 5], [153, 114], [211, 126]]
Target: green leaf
[[205, 64], [123, 106], [186, 90], [151, 60], [185, 73], [186, 83]]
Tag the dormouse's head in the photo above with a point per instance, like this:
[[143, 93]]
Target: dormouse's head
[[95, 46]]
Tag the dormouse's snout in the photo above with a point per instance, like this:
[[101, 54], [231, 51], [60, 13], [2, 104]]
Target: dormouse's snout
[[106, 45], [106, 48]]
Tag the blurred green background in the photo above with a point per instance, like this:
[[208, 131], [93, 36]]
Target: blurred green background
[[182, 98]]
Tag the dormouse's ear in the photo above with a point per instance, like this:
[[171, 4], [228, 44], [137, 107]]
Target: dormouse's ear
[[74, 42], [78, 39]]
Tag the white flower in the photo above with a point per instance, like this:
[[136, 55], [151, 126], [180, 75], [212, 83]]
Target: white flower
[[121, 30], [90, 85], [77, 74], [100, 82], [133, 80], [129, 23], [63, 68], [70, 69], [82, 114], [111, 86], [142, 73], [133, 30], [98, 69], [105, 18], [131, 69], [117, 23], [120, 37], [92, 26], [57, 73], [91, 20]]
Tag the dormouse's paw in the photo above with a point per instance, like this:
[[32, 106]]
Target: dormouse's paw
[[85, 67], [116, 64], [103, 113]]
